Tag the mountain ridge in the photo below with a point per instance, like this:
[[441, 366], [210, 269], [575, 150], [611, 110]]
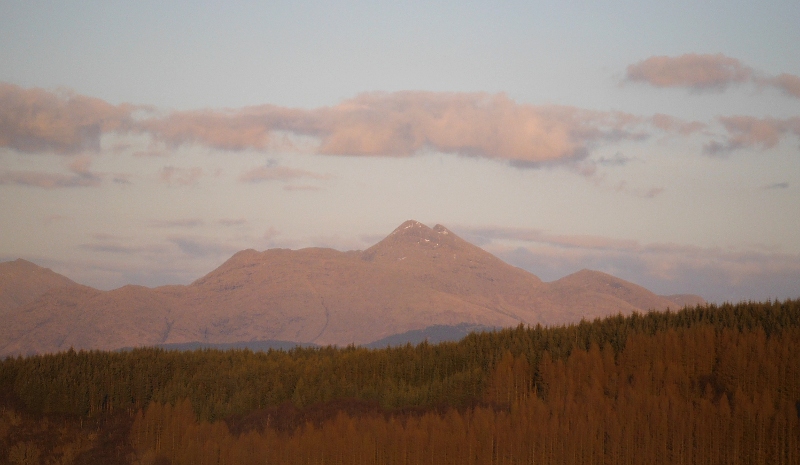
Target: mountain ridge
[[416, 277]]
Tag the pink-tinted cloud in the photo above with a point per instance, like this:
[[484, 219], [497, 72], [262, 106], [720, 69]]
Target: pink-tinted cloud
[[492, 126], [173, 175], [745, 132], [379, 124], [247, 128], [706, 72], [788, 83], [277, 173], [35, 120], [372, 124], [403, 123], [694, 71]]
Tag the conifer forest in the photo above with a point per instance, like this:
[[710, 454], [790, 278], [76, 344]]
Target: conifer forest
[[705, 385]]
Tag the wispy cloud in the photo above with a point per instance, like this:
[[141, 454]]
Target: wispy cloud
[[777, 185], [277, 173], [672, 124], [174, 175], [617, 160], [178, 223], [706, 72], [201, 247], [46, 180], [788, 83], [693, 71], [81, 176], [114, 244], [746, 132], [666, 268]]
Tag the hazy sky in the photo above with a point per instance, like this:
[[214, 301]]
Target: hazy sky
[[145, 143]]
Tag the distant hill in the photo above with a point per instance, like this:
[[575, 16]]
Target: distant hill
[[416, 278], [432, 335], [255, 346]]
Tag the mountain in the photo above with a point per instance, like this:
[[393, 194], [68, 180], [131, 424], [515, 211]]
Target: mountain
[[432, 335], [22, 282], [415, 278]]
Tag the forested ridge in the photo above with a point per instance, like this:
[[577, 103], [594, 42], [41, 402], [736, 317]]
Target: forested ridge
[[710, 384]]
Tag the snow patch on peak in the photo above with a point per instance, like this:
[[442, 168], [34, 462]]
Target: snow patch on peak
[[410, 227]]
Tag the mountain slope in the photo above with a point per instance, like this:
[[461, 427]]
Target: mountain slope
[[417, 277], [22, 282]]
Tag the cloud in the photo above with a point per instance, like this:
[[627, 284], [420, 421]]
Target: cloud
[[380, 124], [173, 175], [788, 83], [404, 123], [47, 180], [111, 243], [617, 160], [201, 247], [715, 273], [36, 120], [181, 223], [277, 173], [82, 176], [706, 73], [745, 132], [672, 124], [121, 178], [697, 72], [777, 185], [247, 128]]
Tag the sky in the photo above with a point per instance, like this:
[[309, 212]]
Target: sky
[[147, 142]]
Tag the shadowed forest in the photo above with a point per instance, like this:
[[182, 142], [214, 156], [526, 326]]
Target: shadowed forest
[[704, 385]]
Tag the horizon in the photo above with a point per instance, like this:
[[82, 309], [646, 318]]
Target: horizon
[[146, 144]]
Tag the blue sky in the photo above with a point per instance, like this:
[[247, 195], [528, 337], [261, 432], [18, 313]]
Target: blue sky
[[145, 143]]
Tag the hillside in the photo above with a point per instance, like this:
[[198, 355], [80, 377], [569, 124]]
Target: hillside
[[415, 278]]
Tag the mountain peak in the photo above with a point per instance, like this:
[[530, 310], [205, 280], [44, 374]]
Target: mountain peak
[[410, 239], [410, 228]]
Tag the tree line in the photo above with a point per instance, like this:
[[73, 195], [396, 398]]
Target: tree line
[[709, 384]]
